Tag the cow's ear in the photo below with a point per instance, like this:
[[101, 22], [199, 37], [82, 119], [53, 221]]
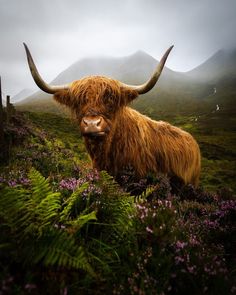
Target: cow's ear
[[63, 97], [128, 95]]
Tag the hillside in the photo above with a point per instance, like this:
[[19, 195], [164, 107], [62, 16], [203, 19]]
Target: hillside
[[221, 65], [22, 95], [69, 229], [219, 71]]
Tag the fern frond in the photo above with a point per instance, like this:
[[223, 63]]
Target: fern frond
[[13, 206], [30, 210], [40, 185], [33, 216], [81, 220], [117, 206], [58, 248], [145, 194], [72, 203]]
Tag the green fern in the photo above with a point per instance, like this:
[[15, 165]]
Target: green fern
[[40, 185], [72, 203], [56, 247], [34, 218], [145, 194], [117, 206], [34, 210]]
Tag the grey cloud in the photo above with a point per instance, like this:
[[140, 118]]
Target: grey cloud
[[59, 32]]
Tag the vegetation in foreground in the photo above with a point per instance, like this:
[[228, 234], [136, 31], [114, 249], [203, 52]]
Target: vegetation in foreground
[[67, 229]]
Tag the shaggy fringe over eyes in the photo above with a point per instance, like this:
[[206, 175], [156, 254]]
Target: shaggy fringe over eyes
[[96, 91]]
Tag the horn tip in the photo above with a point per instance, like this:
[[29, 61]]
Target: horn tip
[[26, 47], [24, 44]]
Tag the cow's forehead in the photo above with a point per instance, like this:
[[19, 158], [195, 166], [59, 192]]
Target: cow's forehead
[[95, 88], [96, 83], [99, 91]]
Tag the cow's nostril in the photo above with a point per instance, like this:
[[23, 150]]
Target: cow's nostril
[[85, 121], [98, 122]]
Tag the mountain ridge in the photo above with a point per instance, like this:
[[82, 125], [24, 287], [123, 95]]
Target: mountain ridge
[[221, 63], [138, 67]]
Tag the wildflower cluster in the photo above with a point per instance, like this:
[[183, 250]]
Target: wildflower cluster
[[71, 184], [155, 218], [14, 178], [141, 279], [204, 250]]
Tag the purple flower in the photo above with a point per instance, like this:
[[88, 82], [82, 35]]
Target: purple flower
[[93, 175], [191, 269], [193, 241], [2, 179], [179, 260], [24, 181], [211, 224], [149, 230], [69, 184], [92, 189], [30, 287], [12, 183], [180, 245]]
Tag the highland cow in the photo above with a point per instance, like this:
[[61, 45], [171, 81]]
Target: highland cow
[[116, 135]]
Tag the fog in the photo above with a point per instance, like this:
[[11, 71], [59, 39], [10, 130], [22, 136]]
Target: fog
[[59, 32]]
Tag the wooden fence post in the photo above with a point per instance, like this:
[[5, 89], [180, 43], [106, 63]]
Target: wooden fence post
[[1, 118], [8, 107]]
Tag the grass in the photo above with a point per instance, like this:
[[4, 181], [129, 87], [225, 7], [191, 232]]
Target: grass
[[62, 129]]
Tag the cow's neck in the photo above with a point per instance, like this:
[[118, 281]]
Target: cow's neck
[[98, 150], [113, 152]]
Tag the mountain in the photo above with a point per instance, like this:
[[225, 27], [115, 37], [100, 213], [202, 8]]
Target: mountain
[[133, 69], [22, 95], [220, 72], [219, 66], [174, 90]]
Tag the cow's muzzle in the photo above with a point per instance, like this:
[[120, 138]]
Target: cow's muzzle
[[94, 126]]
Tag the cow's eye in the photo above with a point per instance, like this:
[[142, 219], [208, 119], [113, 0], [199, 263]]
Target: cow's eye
[[85, 100], [110, 105]]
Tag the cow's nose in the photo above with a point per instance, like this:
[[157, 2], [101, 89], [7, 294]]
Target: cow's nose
[[94, 126], [92, 122]]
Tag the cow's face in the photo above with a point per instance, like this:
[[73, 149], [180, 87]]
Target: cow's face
[[96, 101]]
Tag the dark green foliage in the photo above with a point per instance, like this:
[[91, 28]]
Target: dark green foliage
[[32, 216], [60, 233], [67, 229]]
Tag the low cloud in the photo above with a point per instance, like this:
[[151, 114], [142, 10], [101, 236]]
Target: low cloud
[[60, 32]]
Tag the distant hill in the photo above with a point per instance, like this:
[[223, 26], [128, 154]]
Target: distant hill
[[220, 72], [22, 95], [174, 91], [221, 65], [135, 68]]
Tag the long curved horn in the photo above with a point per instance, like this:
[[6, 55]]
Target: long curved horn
[[37, 78], [144, 88]]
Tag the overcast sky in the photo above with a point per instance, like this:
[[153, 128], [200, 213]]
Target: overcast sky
[[59, 32]]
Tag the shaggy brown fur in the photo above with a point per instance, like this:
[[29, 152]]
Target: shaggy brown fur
[[133, 139]]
